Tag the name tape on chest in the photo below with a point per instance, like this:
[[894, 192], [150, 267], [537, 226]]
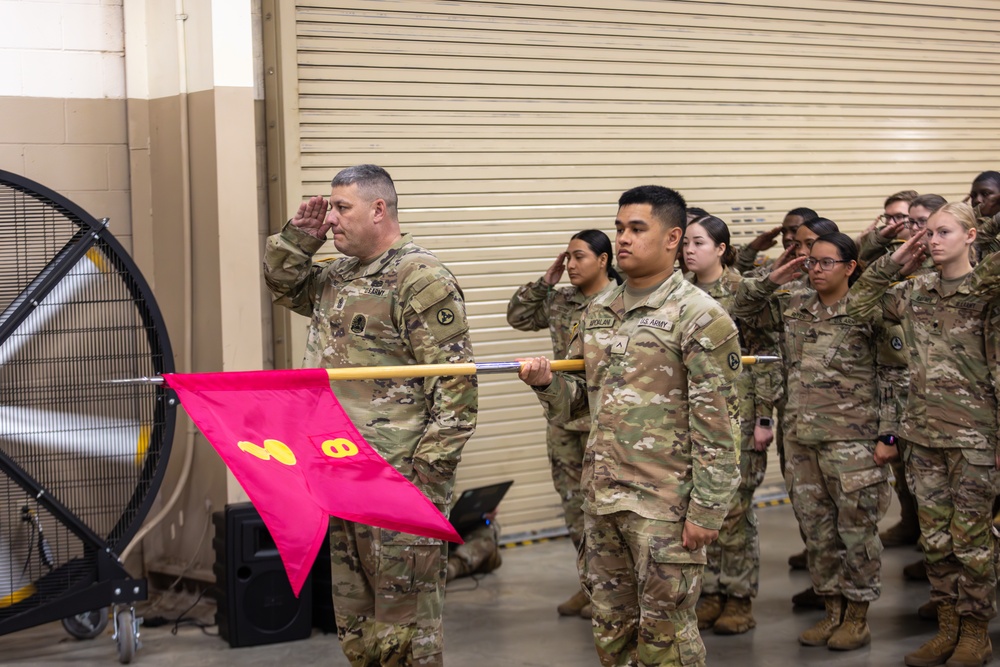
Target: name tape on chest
[[652, 322], [600, 322]]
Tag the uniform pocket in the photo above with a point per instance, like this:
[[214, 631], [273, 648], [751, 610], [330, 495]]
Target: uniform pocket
[[855, 480]]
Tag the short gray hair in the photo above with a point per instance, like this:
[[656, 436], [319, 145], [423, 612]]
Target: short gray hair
[[373, 182]]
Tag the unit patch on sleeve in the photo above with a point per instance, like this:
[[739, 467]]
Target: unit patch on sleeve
[[734, 360]]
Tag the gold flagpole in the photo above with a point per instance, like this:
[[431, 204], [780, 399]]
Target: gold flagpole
[[432, 370]]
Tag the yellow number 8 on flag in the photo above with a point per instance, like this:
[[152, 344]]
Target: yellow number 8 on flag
[[340, 448]]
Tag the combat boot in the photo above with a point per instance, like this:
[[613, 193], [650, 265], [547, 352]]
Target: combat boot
[[916, 571], [708, 609], [799, 561], [819, 634], [736, 618], [974, 648], [942, 645], [587, 612], [808, 598], [853, 633], [928, 611], [902, 534], [572, 606]]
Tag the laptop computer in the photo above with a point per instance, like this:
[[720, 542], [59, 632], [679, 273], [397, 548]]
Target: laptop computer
[[473, 505]]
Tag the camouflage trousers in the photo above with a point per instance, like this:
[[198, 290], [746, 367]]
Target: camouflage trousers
[[954, 488], [840, 496], [643, 586], [388, 595], [479, 551], [565, 449], [733, 567]]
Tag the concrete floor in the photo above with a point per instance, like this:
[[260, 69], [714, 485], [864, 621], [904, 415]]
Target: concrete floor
[[508, 619]]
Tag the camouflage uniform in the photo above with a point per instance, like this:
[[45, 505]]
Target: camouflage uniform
[[748, 259], [732, 567], [479, 552], [950, 420], [662, 451], [404, 307], [834, 403], [537, 306]]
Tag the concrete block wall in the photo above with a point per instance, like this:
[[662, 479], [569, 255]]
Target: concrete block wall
[[63, 102]]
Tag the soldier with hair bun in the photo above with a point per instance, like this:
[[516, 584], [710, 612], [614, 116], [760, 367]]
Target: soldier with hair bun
[[542, 305], [732, 571]]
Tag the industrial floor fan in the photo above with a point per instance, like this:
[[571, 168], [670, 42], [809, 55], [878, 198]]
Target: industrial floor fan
[[80, 460]]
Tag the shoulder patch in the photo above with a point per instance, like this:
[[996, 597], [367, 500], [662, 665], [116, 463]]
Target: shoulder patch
[[734, 361], [717, 332], [897, 343]]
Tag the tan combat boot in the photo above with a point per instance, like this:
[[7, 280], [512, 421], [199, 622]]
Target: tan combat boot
[[974, 648], [942, 645], [736, 618], [853, 633], [819, 634], [708, 609], [572, 606]]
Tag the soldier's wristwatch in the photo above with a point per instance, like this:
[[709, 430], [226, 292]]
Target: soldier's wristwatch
[[888, 439]]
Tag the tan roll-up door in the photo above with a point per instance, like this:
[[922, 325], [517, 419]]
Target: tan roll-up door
[[510, 125]]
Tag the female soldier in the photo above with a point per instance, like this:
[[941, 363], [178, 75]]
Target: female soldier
[[840, 484], [950, 419], [733, 567], [539, 305]]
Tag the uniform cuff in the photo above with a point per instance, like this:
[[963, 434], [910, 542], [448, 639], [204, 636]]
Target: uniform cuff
[[704, 517]]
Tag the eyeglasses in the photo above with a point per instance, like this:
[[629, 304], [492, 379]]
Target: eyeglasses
[[896, 217], [826, 263], [915, 223]]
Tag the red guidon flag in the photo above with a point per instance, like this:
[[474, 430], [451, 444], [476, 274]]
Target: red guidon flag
[[299, 458]]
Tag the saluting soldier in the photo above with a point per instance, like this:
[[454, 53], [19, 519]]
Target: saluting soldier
[[950, 421], [542, 305], [837, 442], [388, 302]]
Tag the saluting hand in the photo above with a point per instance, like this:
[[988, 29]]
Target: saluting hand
[[311, 217], [913, 247], [766, 239], [892, 229], [787, 269], [555, 272]]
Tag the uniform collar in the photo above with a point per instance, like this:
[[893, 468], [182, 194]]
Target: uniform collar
[[353, 266]]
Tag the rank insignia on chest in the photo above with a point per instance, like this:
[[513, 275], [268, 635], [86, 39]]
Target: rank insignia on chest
[[619, 344], [340, 303], [358, 324], [445, 316]]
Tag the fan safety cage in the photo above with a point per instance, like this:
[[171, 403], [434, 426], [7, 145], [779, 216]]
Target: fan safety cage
[[80, 460]]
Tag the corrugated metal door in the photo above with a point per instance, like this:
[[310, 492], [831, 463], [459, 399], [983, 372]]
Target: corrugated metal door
[[510, 125]]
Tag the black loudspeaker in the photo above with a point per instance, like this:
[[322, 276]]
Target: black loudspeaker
[[255, 601], [322, 591]]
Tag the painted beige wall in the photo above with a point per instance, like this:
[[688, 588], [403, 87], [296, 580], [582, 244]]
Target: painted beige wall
[[76, 147]]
